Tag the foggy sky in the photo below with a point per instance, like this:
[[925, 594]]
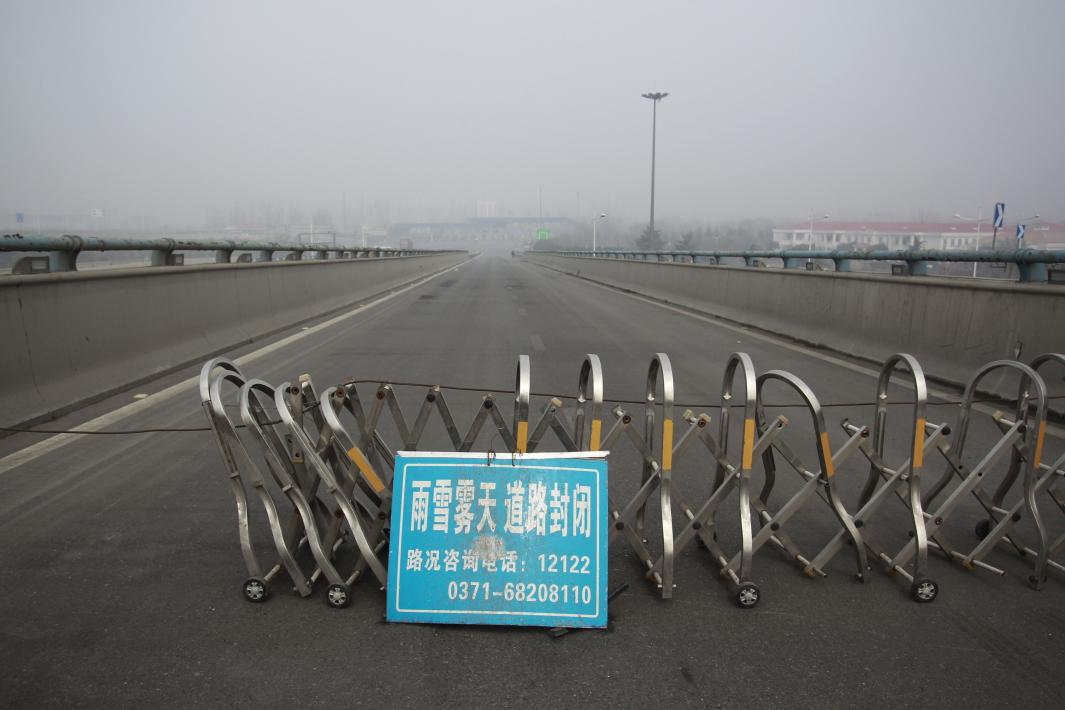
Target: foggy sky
[[779, 109]]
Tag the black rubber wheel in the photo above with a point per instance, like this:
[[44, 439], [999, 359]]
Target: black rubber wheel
[[747, 596], [923, 590], [983, 529], [338, 596], [255, 590]]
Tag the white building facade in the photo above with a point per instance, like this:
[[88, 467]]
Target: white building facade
[[864, 236]]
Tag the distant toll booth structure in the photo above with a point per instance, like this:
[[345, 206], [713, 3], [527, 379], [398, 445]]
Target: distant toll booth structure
[[520, 230]]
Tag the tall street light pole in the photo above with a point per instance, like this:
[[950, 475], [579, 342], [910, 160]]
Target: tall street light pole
[[595, 223], [979, 219], [655, 98], [810, 241]]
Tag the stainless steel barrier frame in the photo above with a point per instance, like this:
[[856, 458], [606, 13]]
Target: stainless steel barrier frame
[[213, 375], [822, 481], [286, 464], [307, 442], [364, 522], [1023, 440], [1041, 480], [701, 523], [589, 385], [903, 481], [655, 476]]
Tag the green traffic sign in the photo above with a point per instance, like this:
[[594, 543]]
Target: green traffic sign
[[542, 234]]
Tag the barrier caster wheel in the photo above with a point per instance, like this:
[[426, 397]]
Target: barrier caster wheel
[[255, 590], [338, 595], [924, 590], [983, 529], [747, 596]]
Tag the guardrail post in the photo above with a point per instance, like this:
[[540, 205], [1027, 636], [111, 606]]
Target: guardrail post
[[164, 257], [1035, 272], [843, 265], [223, 256], [63, 260], [264, 255], [918, 267], [794, 262]]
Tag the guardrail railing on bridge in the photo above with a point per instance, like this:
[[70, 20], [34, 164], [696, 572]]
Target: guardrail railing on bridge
[[1032, 264], [63, 251]]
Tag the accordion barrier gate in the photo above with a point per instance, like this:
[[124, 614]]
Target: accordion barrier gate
[[320, 466]]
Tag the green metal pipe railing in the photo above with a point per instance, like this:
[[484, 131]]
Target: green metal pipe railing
[[1032, 264], [63, 251]]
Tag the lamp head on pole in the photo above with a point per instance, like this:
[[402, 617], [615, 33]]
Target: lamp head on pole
[[655, 96]]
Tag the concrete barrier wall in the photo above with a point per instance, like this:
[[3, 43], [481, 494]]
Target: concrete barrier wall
[[952, 326], [70, 338]]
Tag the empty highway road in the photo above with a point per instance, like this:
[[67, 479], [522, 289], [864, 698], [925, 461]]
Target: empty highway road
[[121, 567]]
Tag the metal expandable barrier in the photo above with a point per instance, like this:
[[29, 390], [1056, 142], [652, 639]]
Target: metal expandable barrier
[[328, 458], [1022, 438], [819, 482], [1040, 480], [902, 481]]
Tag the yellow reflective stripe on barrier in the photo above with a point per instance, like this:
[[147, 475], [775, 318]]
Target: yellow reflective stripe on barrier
[[667, 444], [918, 445], [826, 450], [523, 436], [597, 431], [748, 444], [367, 470], [1039, 444]]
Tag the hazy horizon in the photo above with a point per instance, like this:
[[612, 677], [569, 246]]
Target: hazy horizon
[[169, 114]]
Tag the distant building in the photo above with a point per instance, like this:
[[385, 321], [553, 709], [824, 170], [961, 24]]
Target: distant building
[[830, 236], [947, 236]]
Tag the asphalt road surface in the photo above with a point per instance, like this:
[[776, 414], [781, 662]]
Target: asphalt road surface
[[121, 567]]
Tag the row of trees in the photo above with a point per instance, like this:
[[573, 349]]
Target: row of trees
[[722, 236], [718, 236]]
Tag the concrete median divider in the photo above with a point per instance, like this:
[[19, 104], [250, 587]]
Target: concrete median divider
[[953, 326], [71, 338]]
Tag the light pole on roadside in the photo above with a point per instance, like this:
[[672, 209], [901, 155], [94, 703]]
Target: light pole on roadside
[[595, 224], [810, 243], [978, 219], [655, 98]]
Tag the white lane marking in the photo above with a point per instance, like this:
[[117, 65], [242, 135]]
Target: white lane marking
[[35, 451], [1056, 431]]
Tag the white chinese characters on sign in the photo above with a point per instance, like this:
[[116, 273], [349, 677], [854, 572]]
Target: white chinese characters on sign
[[448, 506]]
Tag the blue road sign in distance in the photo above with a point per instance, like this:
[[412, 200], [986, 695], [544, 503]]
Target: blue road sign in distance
[[19, 217], [1000, 214], [514, 541], [1020, 232]]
